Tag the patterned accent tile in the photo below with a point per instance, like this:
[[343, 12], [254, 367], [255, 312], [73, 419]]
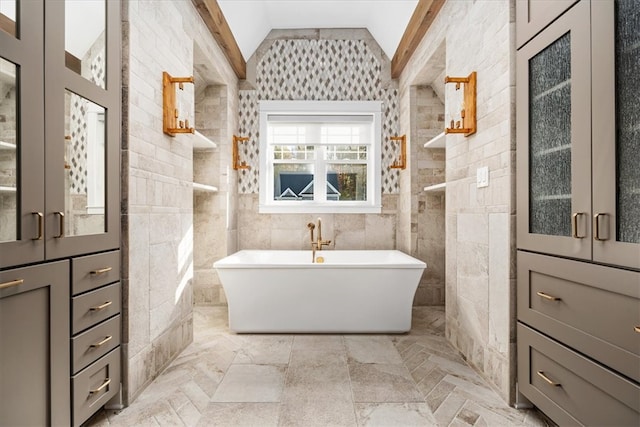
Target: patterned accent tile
[[317, 70]]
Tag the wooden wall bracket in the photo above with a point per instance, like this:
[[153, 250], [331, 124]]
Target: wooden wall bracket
[[236, 155], [171, 124], [467, 122], [401, 163]]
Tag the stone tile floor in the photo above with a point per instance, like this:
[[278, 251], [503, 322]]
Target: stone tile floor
[[225, 379]]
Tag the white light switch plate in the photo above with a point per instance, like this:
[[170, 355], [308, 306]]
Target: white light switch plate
[[482, 177]]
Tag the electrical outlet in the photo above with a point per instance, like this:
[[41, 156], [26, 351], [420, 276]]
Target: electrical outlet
[[482, 177]]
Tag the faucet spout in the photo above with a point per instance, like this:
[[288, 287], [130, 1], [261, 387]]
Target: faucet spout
[[320, 243]]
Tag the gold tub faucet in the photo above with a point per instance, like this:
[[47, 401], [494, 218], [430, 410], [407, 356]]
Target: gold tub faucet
[[317, 245]]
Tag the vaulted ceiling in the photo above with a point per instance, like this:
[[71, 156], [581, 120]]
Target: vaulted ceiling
[[239, 26], [251, 20]]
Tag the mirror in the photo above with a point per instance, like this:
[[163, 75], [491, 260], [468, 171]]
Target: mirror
[[84, 39], [8, 152], [84, 164], [8, 16]]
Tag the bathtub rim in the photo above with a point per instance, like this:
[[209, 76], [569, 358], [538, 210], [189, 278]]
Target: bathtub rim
[[405, 262]]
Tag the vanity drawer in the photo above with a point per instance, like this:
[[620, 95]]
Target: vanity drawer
[[590, 308], [572, 389], [95, 385], [94, 343], [94, 307], [92, 271]]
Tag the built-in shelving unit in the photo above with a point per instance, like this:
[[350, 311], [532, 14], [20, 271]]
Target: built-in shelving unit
[[5, 189], [436, 188], [201, 142], [436, 142], [204, 188], [7, 145]]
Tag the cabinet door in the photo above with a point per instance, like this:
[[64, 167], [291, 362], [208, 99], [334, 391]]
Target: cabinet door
[[533, 15], [34, 350], [82, 134], [554, 138], [21, 133], [616, 132]]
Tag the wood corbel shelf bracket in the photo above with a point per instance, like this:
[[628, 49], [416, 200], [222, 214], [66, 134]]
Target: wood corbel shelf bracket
[[467, 122], [171, 124]]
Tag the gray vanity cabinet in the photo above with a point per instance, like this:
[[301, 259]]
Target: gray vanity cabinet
[[34, 350], [60, 293], [578, 232], [60, 131], [534, 15]]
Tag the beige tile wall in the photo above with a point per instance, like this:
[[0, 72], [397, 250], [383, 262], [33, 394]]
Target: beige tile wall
[[157, 209], [480, 247]]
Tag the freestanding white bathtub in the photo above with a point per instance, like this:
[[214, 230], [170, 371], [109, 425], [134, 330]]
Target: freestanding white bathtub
[[352, 291]]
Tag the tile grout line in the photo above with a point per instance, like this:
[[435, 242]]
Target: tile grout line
[[353, 402]]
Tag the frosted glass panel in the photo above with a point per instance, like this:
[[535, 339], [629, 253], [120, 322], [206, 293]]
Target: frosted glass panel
[[550, 139], [628, 120]]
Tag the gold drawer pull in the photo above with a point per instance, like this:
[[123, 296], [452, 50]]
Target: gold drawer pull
[[100, 271], [106, 382], [60, 225], [101, 306], [40, 226], [637, 329], [546, 378], [547, 296], [574, 226], [11, 283], [104, 341]]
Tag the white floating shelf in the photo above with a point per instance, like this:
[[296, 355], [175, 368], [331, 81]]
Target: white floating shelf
[[4, 189], [436, 142], [204, 188], [7, 145], [201, 142], [437, 188]]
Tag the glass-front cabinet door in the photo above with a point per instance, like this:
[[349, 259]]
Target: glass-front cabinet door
[[615, 42], [83, 126], [554, 148], [22, 208]]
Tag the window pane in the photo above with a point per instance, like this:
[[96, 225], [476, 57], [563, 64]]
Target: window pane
[[293, 181], [293, 152], [346, 152], [345, 134], [347, 182], [84, 39], [286, 134]]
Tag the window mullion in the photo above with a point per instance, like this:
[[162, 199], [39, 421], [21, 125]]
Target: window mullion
[[320, 175]]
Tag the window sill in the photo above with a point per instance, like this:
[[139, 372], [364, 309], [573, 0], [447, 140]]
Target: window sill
[[319, 208]]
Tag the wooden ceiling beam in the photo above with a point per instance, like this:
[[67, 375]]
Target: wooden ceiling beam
[[213, 18], [422, 18]]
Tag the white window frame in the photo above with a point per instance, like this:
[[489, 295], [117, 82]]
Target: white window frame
[[373, 204]]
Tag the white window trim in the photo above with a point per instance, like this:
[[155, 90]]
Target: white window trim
[[373, 204]]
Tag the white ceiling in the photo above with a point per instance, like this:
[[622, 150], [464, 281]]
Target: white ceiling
[[252, 20]]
